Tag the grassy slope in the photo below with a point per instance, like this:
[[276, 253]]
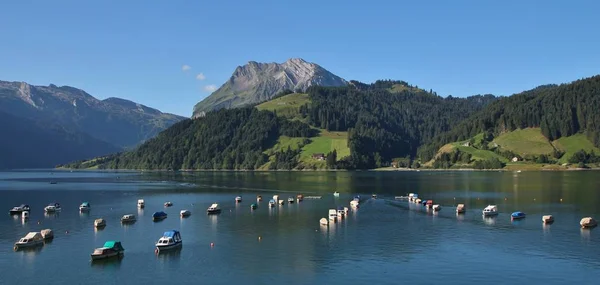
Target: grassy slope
[[525, 141], [288, 106], [572, 144]]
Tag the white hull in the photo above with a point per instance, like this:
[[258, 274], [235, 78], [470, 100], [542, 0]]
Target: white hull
[[29, 244], [168, 247]]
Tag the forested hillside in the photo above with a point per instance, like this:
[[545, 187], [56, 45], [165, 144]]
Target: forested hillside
[[559, 110]]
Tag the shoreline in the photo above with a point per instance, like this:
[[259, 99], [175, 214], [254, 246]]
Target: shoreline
[[386, 169]]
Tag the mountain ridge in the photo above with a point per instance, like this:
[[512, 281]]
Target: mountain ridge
[[257, 82]]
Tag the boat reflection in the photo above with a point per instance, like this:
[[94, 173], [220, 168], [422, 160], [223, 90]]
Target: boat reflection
[[490, 221], [107, 263], [460, 217], [174, 254], [585, 233], [140, 212]]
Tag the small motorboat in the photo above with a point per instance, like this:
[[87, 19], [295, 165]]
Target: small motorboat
[[461, 209], [276, 198], [141, 203], [281, 202], [84, 207], [291, 200], [25, 215], [168, 204], [185, 213], [341, 213], [490, 210], [323, 221], [428, 204], [346, 211], [424, 202], [374, 196], [169, 240], [588, 222], [52, 208], [354, 204], [159, 216], [333, 215], [128, 219], [418, 201], [300, 198], [19, 209], [253, 206], [110, 249], [436, 207], [32, 239], [99, 223], [336, 194], [238, 199], [517, 215], [47, 234], [258, 198], [547, 219], [271, 203], [213, 209]]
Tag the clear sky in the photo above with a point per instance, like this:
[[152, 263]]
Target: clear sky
[[137, 49]]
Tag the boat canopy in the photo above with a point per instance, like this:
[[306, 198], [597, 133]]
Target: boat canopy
[[172, 233], [85, 204], [159, 214], [33, 235], [490, 208], [113, 244], [215, 205]]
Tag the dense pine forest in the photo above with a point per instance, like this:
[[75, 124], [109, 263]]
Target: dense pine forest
[[385, 121], [560, 110]]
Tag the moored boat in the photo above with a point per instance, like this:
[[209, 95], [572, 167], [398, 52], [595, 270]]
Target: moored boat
[[213, 209], [169, 240], [436, 207], [47, 234], [25, 215], [490, 210], [418, 201], [84, 207], [141, 203], [110, 249], [185, 213], [547, 219], [323, 221], [271, 203], [276, 198], [99, 223], [374, 196], [52, 208], [253, 206], [128, 219], [159, 216], [517, 215], [19, 209], [291, 200], [354, 204], [461, 209], [336, 194], [32, 239], [258, 198], [168, 204], [238, 199], [281, 202], [300, 198], [588, 222], [332, 215], [429, 204]]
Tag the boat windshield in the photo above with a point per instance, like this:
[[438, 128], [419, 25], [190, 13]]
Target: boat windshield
[[24, 240]]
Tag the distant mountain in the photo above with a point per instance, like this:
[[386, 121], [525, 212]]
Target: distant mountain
[[29, 144], [119, 122], [257, 82]]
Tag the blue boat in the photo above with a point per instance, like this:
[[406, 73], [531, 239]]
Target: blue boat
[[424, 202], [158, 216], [517, 215], [169, 240]]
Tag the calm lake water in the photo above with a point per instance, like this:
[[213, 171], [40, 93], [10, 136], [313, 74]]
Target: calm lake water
[[383, 242]]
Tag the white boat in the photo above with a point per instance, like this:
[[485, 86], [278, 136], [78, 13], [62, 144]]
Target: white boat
[[84, 207], [238, 199], [323, 221], [588, 222], [490, 210], [169, 240], [213, 209], [272, 203], [52, 208], [547, 219], [25, 215], [333, 215], [354, 204], [258, 198], [436, 207], [99, 223], [168, 204], [336, 194], [32, 239], [141, 204], [128, 218], [185, 213], [291, 200], [346, 210], [461, 208], [281, 202], [19, 209], [417, 201], [276, 198], [47, 234]]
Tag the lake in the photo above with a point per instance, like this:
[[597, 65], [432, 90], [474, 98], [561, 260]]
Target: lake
[[385, 241]]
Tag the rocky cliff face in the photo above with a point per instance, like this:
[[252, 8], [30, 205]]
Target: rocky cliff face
[[256, 82], [116, 121]]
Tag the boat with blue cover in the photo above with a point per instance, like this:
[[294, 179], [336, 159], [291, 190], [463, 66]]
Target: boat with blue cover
[[517, 215], [169, 240], [158, 216], [84, 207]]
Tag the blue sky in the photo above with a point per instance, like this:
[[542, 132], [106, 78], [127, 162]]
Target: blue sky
[[136, 49]]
